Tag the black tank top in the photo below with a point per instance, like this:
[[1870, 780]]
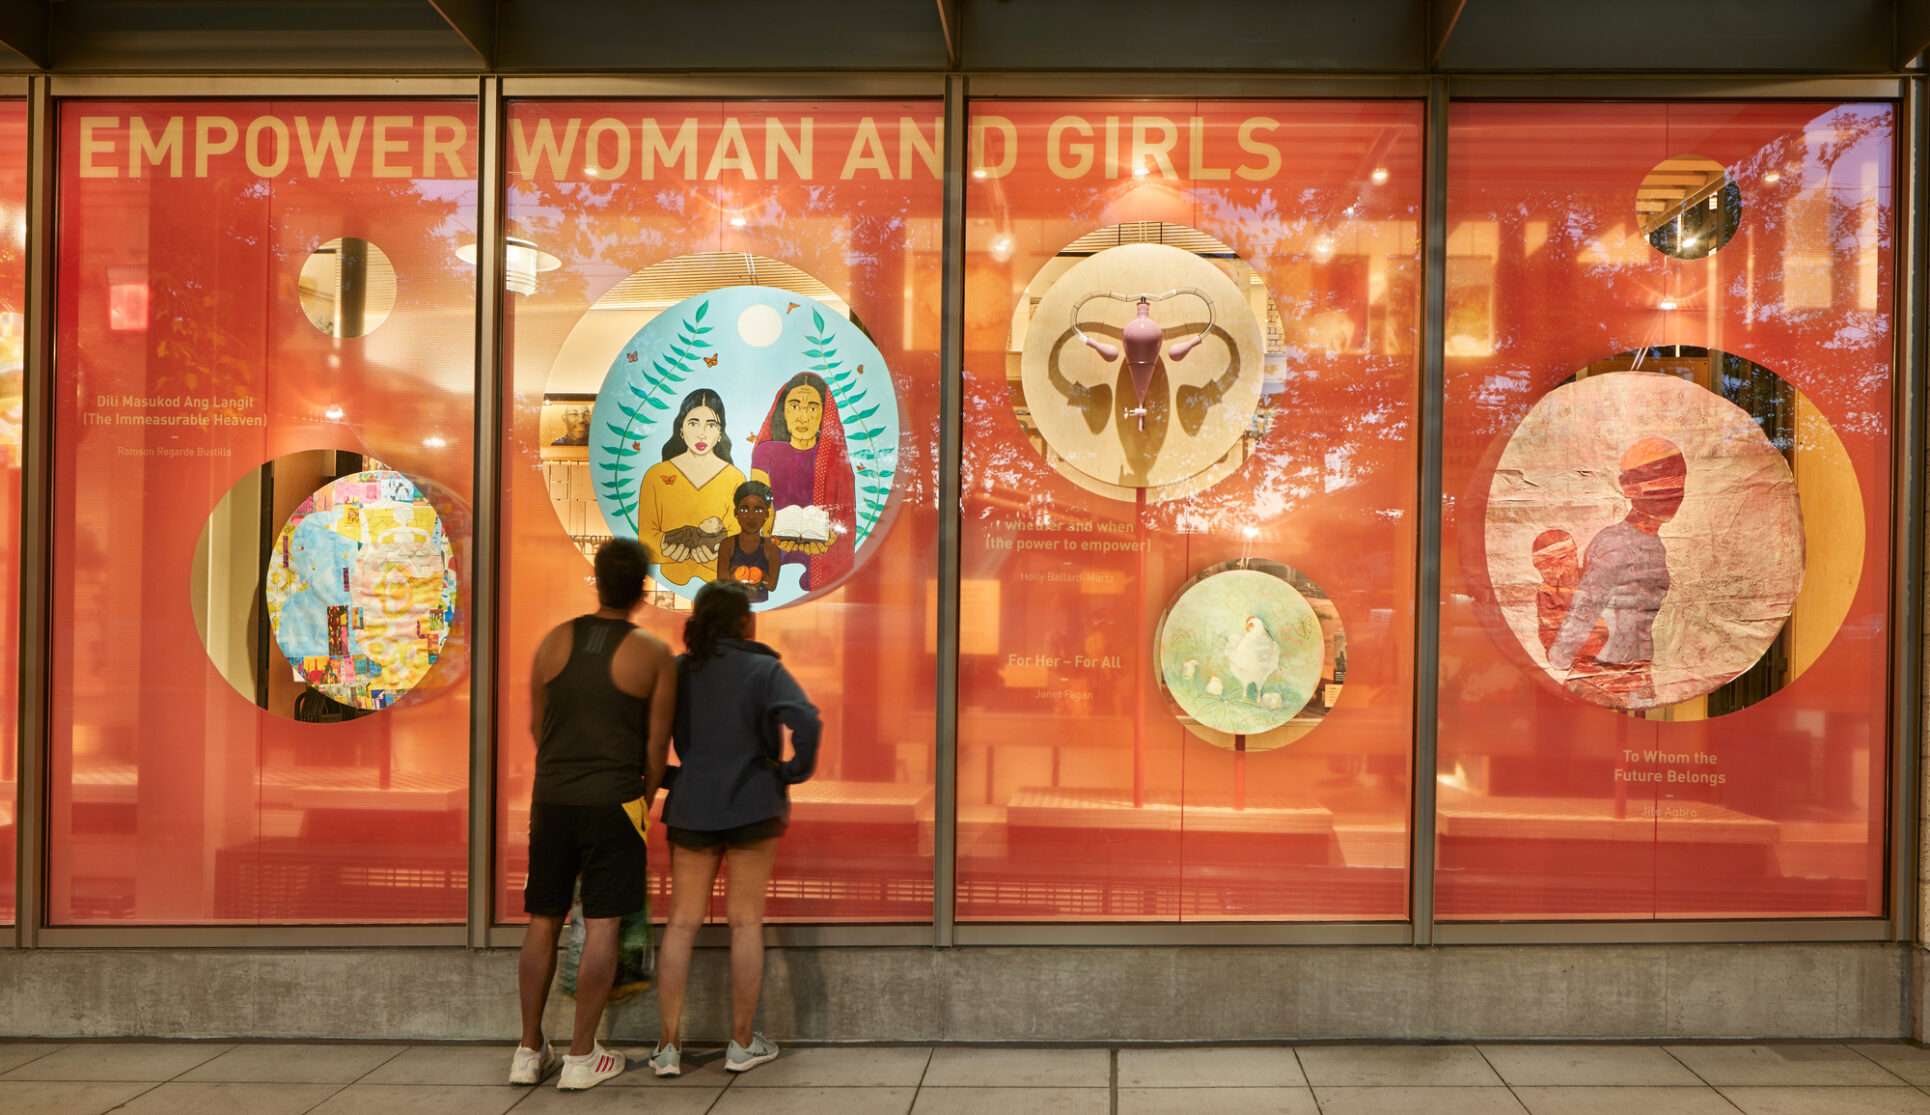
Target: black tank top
[[592, 747]]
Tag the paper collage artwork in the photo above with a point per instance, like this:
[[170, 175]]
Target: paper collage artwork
[[1644, 539], [362, 589]]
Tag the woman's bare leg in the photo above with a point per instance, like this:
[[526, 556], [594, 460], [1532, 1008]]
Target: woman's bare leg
[[745, 888], [692, 874]]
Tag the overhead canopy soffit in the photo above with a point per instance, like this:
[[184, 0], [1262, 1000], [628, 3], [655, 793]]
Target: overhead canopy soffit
[[673, 36]]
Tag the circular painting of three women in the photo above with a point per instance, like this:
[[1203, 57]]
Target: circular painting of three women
[[747, 434]]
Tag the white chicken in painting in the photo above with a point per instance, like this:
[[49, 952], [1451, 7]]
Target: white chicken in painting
[[1252, 657]]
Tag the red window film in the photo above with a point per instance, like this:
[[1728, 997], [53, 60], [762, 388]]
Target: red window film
[[625, 219], [1088, 790], [304, 302], [13, 305], [1578, 245]]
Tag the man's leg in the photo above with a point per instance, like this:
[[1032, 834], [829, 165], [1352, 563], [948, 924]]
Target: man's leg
[[534, 971], [692, 874], [593, 979], [745, 888]]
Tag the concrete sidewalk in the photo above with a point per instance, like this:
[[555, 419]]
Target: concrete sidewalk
[[150, 1078]]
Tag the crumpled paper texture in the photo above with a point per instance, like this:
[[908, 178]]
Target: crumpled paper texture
[[1734, 548]]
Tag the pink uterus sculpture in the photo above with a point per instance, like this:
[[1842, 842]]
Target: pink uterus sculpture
[[1142, 338]]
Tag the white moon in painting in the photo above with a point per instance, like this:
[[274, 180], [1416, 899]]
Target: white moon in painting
[[760, 326]]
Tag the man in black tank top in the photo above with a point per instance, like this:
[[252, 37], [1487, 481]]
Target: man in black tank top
[[601, 698]]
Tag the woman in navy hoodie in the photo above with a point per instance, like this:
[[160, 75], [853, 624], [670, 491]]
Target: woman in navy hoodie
[[728, 804]]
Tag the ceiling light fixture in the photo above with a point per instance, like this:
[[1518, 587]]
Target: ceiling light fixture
[[522, 262]]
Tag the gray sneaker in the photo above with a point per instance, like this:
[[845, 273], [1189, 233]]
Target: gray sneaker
[[667, 1060], [739, 1059]]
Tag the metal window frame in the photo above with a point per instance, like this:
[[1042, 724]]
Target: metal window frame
[[485, 587], [491, 94], [46, 93], [1908, 361], [35, 631]]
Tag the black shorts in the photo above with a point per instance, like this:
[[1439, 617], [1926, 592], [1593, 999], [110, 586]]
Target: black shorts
[[595, 841], [702, 840]]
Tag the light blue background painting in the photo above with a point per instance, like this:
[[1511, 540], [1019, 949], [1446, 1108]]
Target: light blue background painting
[[743, 342]]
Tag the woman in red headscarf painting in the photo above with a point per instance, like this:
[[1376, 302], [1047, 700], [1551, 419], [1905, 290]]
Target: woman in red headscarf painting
[[801, 448]]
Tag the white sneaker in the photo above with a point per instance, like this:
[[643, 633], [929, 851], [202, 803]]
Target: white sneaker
[[591, 1069], [530, 1066]]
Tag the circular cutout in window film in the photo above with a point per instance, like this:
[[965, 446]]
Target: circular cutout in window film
[[347, 287], [1142, 362], [1648, 540], [747, 433], [361, 588], [1688, 206], [1253, 654]]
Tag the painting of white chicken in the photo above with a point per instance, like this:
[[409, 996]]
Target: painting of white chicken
[[1252, 656], [1241, 652]]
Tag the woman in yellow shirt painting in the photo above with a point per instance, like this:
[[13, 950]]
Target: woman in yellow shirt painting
[[684, 509]]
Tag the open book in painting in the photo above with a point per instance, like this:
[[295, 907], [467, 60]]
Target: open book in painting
[[802, 524]]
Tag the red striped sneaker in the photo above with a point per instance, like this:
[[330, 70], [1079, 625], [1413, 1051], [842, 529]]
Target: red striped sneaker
[[591, 1069]]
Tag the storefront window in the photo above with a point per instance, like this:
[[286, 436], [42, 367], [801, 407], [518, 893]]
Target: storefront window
[[733, 259], [13, 305], [1189, 484], [1665, 543], [265, 398]]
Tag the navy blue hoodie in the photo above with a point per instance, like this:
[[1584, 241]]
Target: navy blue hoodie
[[726, 732]]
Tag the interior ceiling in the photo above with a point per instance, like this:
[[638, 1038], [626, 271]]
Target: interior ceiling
[[1675, 184], [1306, 36], [1146, 232], [670, 282]]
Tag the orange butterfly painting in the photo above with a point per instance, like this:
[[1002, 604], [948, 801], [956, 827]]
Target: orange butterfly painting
[[710, 361], [792, 306]]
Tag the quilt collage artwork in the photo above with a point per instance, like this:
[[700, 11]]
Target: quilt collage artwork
[[361, 589]]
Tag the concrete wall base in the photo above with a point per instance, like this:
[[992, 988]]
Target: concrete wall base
[[1038, 994]]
